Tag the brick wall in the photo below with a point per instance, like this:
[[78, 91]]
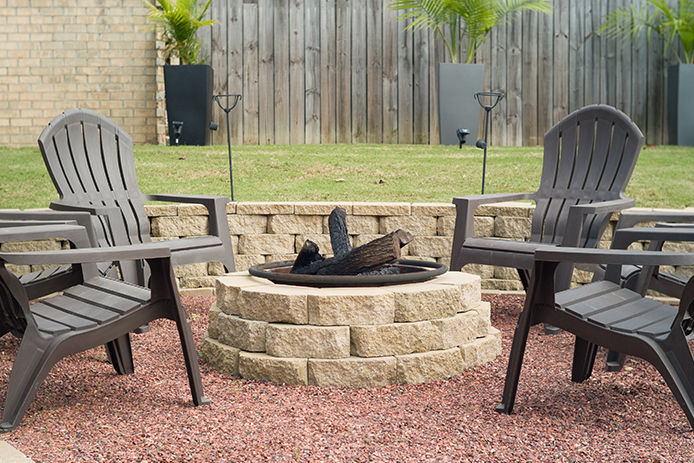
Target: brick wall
[[62, 54]]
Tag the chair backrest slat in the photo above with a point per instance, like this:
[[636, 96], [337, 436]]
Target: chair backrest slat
[[589, 156]]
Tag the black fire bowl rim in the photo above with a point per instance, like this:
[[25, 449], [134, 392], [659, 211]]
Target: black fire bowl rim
[[429, 271]]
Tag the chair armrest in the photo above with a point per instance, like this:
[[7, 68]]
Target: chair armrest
[[89, 255], [628, 219], [625, 236], [465, 207], [612, 256], [577, 213], [81, 218], [216, 209], [208, 201], [76, 234]]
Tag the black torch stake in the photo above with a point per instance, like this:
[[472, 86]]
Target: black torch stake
[[487, 108], [227, 109]]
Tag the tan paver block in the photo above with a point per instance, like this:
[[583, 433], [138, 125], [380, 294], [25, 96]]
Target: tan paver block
[[160, 210], [380, 209], [349, 306], [322, 240], [445, 226], [357, 224], [227, 289], [432, 246], [394, 339], [212, 330], [231, 207], [481, 350], [429, 366], [276, 303], [484, 309], [246, 261], [220, 356], [425, 301], [191, 270], [264, 367], [180, 226], [329, 342], [506, 209], [294, 224], [266, 244], [244, 224], [248, 335], [352, 371], [319, 208], [252, 207], [433, 209], [192, 209], [416, 225], [460, 329], [512, 227]]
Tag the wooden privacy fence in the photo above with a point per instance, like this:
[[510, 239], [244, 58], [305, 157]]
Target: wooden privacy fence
[[344, 71]]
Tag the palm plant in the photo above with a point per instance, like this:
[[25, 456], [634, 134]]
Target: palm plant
[[478, 16], [674, 25], [181, 20]]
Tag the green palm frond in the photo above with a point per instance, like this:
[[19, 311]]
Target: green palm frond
[[674, 25], [180, 20], [478, 17]]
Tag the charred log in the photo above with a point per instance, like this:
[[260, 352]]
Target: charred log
[[339, 238]]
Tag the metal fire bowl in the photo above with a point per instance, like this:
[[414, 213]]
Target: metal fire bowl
[[412, 271]]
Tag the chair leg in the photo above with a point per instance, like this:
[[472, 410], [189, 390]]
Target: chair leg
[[676, 365], [584, 359], [615, 361], [189, 354], [120, 355], [520, 337], [31, 366], [229, 265]]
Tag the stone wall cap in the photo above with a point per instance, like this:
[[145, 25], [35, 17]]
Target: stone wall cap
[[320, 207], [384, 209], [258, 207]]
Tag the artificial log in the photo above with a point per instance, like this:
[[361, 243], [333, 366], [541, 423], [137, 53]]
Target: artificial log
[[307, 255], [339, 238], [362, 259]]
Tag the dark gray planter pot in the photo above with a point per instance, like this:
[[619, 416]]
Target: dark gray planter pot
[[457, 106], [189, 100], [680, 100]]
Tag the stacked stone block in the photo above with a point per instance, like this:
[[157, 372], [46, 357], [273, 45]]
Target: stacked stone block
[[408, 334]]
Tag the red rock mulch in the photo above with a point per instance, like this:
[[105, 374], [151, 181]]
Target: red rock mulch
[[84, 412]]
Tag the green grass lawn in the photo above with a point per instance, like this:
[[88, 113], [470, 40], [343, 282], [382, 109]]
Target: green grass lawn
[[664, 175]]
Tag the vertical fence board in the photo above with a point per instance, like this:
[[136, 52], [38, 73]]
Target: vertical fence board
[[358, 69], [529, 78], [560, 107], [405, 78], [374, 78], [313, 71], [514, 85], [297, 88], [282, 102], [346, 71], [327, 73], [250, 73], [421, 88], [390, 76], [218, 60], [343, 26], [266, 84]]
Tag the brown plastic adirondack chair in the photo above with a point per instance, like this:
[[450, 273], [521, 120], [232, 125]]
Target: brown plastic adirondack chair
[[588, 159], [90, 160], [94, 311], [603, 313]]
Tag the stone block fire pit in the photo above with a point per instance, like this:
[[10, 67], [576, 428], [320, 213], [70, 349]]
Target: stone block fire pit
[[409, 333]]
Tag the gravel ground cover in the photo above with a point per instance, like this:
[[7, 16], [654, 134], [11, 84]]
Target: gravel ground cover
[[84, 412]]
